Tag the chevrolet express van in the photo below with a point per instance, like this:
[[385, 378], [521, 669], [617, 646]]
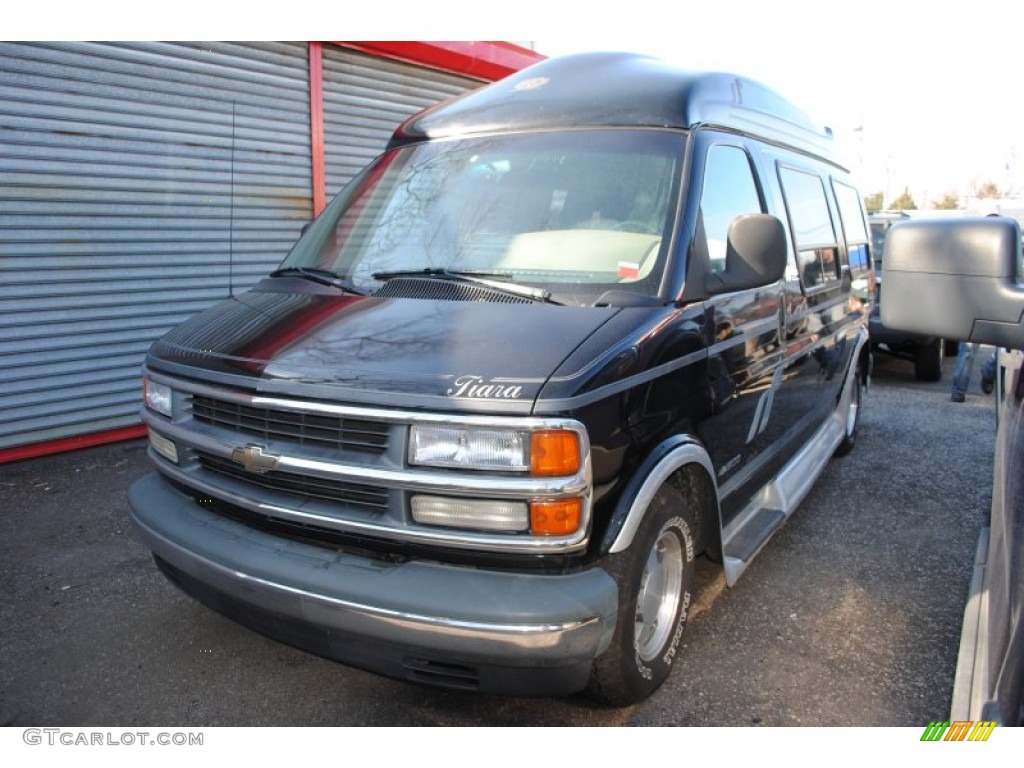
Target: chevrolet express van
[[566, 334]]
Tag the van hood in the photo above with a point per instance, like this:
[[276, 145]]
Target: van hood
[[285, 337]]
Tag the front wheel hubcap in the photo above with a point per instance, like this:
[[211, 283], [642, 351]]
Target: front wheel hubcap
[[658, 598]]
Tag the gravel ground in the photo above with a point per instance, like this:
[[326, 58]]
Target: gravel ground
[[850, 616]]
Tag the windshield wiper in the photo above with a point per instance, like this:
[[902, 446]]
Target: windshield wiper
[[442, 273], [480, 277], [322, 276]]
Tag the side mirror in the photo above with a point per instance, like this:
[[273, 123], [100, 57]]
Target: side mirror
[[755, 255], [955, 278]]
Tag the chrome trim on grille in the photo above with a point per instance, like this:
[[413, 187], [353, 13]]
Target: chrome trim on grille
[[426, 480], [508, 543], [369, 414], [355, 495], [377, 472], [296, 427]]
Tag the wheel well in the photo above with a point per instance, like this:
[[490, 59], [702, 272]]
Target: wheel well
[[684, 464], [692, 482]]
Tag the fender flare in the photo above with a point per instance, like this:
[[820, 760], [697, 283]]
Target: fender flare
[[867, 359], [667, 458], [862, 354]]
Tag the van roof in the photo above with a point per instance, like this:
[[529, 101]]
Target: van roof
[[619, 90]]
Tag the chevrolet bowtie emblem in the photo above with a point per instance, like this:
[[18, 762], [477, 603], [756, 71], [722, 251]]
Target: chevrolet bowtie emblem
[[253, 459]]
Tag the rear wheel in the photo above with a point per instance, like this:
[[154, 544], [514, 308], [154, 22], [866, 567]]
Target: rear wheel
[[655, 577], [928, 360]]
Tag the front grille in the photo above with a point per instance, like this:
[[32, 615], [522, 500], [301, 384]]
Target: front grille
[[297, 427], [366, 497]]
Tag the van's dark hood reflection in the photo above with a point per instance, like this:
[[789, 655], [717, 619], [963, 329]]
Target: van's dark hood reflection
[[415, 348]]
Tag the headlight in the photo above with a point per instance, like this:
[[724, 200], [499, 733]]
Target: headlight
[[493, 449], [545, 453], [157, 396]]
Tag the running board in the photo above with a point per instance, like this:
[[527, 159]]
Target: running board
[[744, 537]]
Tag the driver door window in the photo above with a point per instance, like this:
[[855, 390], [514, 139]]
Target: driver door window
[[729, 190]]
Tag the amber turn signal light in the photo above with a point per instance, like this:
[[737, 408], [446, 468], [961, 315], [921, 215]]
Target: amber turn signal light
[[555, 518], [554, 453]]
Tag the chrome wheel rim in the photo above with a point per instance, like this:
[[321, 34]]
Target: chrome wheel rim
[[658, 598]]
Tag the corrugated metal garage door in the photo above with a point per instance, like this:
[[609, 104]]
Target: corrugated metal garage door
[[365, 98], [118, 167], [142, 182]]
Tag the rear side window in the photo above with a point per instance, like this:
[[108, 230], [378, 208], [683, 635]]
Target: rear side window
[[817, 247], [730, 190], [852, 217]]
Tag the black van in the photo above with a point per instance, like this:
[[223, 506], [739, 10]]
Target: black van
[[567, 333]]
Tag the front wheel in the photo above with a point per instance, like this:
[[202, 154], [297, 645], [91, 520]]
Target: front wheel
[[656, 579]]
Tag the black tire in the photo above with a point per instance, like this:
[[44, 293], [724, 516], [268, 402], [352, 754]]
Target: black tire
[[928, 361], [852, 414], [655, 573]]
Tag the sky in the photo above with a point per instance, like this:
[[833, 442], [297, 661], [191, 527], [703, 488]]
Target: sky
[[919, 94], [928, 96]]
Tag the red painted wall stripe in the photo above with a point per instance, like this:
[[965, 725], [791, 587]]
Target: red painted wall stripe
[[486, 60], [70, 443], [316, 126]]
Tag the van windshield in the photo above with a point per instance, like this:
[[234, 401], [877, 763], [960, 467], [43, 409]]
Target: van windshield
[[574, 213]]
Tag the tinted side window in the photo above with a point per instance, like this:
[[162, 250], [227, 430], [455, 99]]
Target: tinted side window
[[852, 217], [816, 245], [730, 189]]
